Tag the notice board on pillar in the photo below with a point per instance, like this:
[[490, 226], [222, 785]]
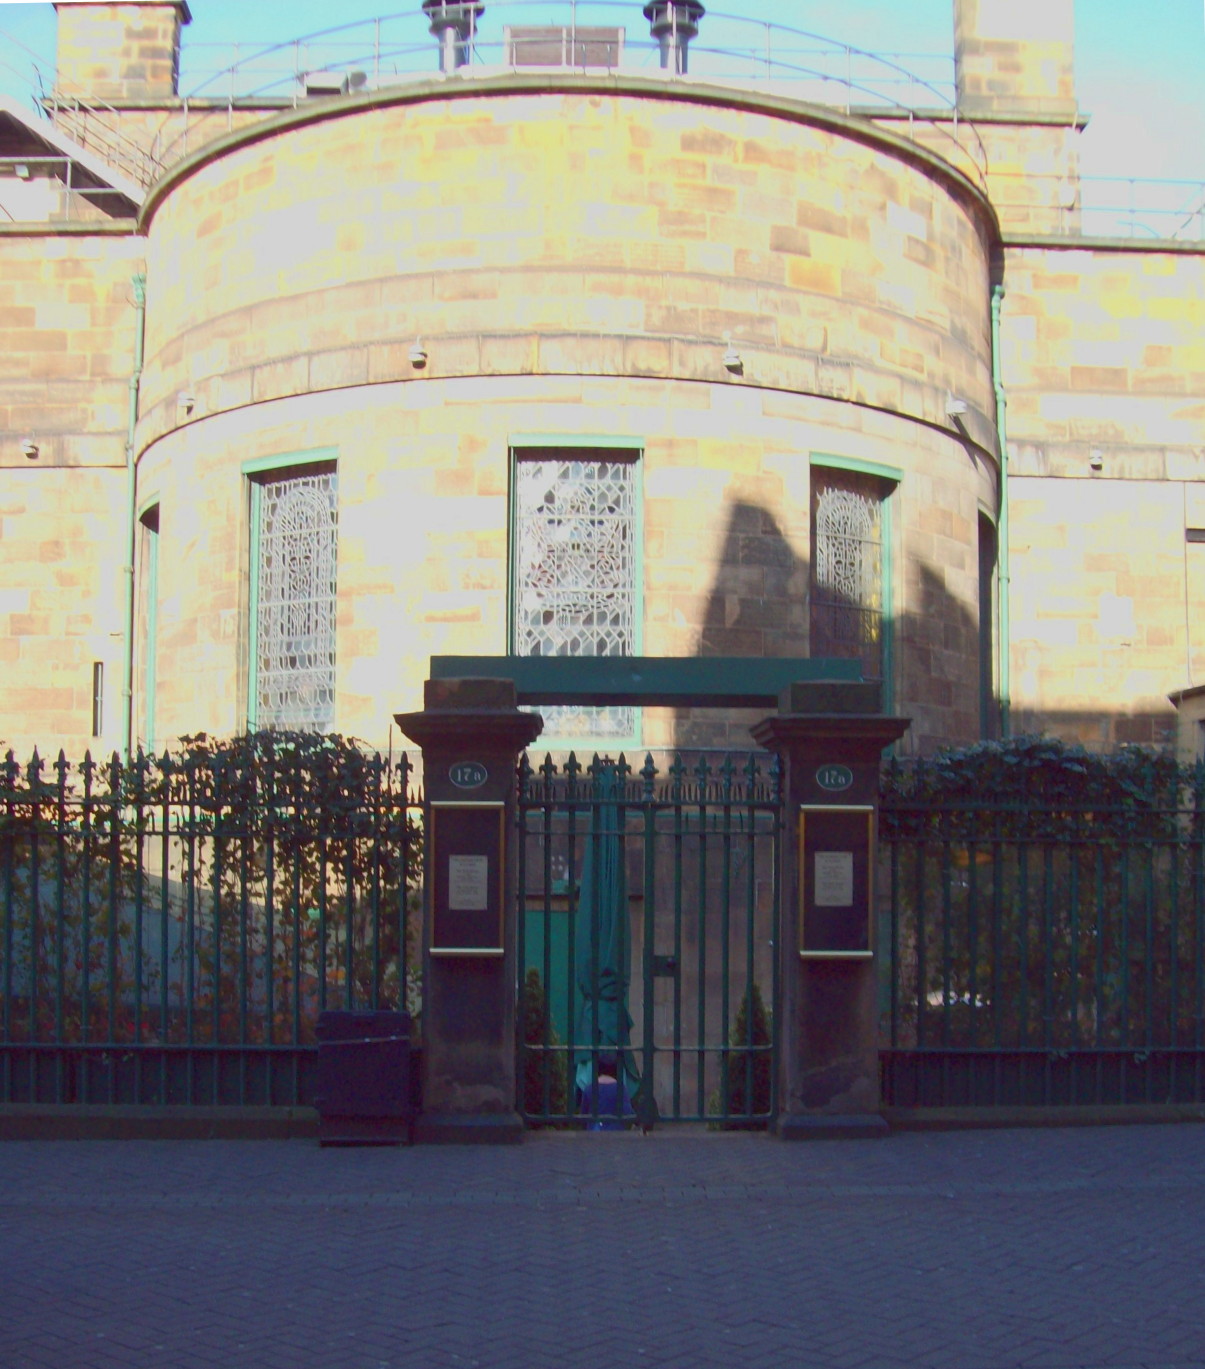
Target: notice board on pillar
[[467, 878], [836, 875]]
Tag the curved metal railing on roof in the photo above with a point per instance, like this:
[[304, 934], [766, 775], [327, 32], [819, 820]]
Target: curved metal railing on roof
[[732, 50]]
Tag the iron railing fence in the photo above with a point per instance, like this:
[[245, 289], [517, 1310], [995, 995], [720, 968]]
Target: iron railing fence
[[1043, 955], [171, 929], [1130, 207], [58, 189], [650, 895], [732, 49]]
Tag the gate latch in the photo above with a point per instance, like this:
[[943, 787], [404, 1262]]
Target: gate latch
[[665, 967]]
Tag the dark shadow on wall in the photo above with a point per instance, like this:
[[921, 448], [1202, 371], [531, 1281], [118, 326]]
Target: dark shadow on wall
[[758, 605]]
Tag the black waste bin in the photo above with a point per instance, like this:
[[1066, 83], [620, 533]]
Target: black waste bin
[[364, 1092]]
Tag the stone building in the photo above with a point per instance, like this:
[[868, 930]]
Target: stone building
[[552, 355]]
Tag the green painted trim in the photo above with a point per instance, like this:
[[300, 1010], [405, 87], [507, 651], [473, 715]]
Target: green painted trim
[[138, 285], [888, 554], [659, 681], [856, 464], [152, 630], [638, 573], [601, 440], [512, 540], [1003, 567], [282, 460], [253, 610]]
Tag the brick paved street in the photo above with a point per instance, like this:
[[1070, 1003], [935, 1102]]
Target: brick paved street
[[978, 1250]]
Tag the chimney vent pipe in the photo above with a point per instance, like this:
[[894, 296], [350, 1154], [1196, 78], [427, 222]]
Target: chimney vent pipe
[[453, 25], [673, 24]]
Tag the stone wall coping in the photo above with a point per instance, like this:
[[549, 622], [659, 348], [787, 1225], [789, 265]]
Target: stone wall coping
[[71, 228], [575, 83], [1066, 242]]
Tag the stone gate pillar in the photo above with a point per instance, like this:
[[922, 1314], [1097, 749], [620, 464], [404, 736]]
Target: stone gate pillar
[[471, 734], [831, 738]]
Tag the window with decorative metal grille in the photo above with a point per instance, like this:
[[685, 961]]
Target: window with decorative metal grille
[[294, 529], [847, 589], [574, 590]]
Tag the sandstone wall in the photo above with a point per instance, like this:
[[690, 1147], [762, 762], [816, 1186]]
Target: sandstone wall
[[1103, 361], [597, 233], [68, 322], [423, 531]]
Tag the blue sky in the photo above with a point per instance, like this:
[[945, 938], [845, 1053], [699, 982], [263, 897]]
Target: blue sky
[[1140, 64]]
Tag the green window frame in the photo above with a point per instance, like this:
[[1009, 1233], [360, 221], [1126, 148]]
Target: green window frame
[[576, 568], [293, 581], [148, 619], [989, 655], [851, 611]]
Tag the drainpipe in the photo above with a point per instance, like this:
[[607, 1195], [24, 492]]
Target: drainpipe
[[1003, 576], [127, 639]]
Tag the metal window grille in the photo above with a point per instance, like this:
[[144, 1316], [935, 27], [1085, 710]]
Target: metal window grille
[[297, 523], [575, 574], [847, 569]]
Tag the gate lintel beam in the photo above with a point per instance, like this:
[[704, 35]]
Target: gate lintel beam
[[653, 681]]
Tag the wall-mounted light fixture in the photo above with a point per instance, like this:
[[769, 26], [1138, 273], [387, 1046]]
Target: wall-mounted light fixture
[[955, 407], [1096, 459], [418, 354], [186, 402], [29, 449], [733, 361]]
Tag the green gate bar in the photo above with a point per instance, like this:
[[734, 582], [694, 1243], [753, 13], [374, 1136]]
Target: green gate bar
[[699, 841]]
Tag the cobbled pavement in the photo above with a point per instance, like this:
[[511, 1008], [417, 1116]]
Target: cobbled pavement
[[1048, 1249]]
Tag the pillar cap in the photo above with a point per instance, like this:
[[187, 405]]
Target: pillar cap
[[862, 735], [478, 712]]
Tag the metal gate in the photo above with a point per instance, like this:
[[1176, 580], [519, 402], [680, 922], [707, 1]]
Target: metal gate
[[648, 907]]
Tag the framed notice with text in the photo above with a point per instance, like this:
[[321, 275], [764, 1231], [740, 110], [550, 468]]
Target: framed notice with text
[[467, 878], [836, 881]]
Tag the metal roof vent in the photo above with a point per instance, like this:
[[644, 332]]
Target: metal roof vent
[[454, 24], [322, 83], [673, 24], [560, 45]]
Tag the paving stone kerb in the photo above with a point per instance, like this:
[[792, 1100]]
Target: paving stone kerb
[[980, 1250]]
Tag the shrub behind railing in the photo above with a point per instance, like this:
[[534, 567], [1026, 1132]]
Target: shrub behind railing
[[223, 893]]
